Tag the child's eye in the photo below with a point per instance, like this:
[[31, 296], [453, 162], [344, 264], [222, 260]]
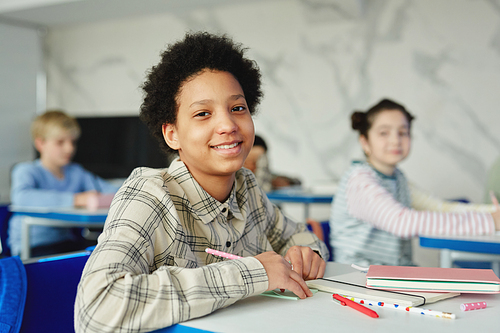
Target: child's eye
[[384, 133], [238, 108], [404, 133], [202, 114]]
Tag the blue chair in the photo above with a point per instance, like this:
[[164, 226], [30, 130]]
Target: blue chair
[[12, 294], [5, 215], [51, 293]]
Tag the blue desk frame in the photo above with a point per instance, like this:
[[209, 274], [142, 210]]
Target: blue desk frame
[[466, 245], [468, 248], [61, 218], [293, 196], [278, 196], [76, 216]]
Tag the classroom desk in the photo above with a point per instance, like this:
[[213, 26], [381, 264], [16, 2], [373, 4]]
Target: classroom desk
[[467, 248], [62, 218], [299, 196], [320, 314]]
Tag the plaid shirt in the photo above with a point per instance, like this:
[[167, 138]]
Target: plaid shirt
[[150, 269]]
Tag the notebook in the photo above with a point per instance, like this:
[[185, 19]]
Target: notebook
[[354, 285], [435, 279], [101, 201], [286, 294]]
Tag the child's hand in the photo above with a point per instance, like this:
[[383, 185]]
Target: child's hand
[[86, 199], [496, 213], [281, 275], [306, 262]]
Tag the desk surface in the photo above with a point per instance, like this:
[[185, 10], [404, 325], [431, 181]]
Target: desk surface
[[52, 217], [477, 244], [65, 214], [320, 314]]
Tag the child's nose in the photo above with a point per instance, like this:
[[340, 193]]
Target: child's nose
[[395, 138], [69, 146], [226, 123]]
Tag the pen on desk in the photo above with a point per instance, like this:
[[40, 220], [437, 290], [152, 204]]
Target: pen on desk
[[347, 302], [411, 309], [359, 268], [222, 254], [473, 306]]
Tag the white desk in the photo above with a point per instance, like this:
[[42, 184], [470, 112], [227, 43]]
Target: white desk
[[62, 218], [467, 248], [320, 314]]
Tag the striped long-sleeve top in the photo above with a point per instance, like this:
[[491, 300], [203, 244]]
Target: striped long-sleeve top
[[373, 219]]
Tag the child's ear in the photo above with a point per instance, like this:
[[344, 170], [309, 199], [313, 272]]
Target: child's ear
[[170, 135], [363, 141], [39, 144]]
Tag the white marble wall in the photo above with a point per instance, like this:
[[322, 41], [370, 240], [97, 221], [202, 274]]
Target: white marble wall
[[320, 60]]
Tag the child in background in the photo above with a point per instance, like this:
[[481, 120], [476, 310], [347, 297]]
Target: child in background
[[150, 269], [258, 163], [376, 212], [53, 181]]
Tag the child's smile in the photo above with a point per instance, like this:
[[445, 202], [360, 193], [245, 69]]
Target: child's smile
[[229, 148]]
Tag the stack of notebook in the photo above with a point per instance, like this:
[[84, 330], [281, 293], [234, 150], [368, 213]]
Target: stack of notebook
[[434, 279], [409, 286]]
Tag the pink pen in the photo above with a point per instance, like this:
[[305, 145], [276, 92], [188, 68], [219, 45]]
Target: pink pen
[[227, 256], [222, 254]]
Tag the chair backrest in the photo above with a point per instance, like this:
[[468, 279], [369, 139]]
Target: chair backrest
[[5, 215], [12, 294], [51, 293]]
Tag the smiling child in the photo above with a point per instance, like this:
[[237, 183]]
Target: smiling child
[[376, 212], [150, 269]]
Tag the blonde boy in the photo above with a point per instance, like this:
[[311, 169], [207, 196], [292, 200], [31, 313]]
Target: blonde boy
[[52, 181]]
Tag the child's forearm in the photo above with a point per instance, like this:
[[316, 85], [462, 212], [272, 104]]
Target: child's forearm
[[42, 198], [151, 300], [370, 202]]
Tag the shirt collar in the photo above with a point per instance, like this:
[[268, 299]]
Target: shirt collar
[[380, 174], [205, 206]]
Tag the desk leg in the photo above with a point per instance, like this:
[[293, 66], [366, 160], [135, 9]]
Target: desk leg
[[306, 212], [446, 260], [25, 239]]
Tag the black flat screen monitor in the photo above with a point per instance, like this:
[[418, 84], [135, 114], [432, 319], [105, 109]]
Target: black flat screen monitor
[[111, 147]]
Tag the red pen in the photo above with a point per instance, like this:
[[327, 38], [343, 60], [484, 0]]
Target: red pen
[[347, 302]]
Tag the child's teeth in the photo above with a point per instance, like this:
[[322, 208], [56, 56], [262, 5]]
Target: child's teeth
[[227, 146]]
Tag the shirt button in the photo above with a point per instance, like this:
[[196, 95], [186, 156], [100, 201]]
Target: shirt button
[[228, 244], [224, 209]]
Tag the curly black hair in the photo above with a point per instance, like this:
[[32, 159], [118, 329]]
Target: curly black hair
[[185, 59]]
